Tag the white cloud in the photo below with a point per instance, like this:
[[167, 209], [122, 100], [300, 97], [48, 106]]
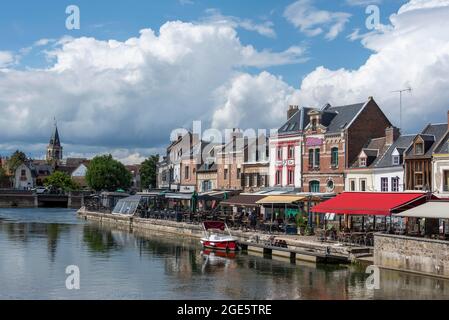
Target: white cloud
[[312, 21], [130, 94], [423, 4], [413, 51], [6, 59], [245, 97], [362, 2], [265, 28]]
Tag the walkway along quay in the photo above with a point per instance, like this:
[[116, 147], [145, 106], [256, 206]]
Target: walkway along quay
[[294, 247]]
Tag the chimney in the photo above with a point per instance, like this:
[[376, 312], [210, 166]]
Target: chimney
[[291, 111], [391, 135]]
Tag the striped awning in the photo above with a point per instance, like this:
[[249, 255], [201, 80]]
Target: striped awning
[[281, 199]]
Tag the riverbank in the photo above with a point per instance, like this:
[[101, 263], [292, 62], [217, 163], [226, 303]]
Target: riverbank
[[298, 247]]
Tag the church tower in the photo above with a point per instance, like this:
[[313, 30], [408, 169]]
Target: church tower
[[54, 149]]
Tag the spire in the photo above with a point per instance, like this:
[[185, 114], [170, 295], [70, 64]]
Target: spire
[[54, 140]]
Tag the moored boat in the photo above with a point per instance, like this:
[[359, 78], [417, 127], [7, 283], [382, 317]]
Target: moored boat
[[214, 237]]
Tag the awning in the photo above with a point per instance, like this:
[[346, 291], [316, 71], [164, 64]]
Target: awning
[[369, 203], [281, 199], [243, 200], [179, 196], [432, 209]]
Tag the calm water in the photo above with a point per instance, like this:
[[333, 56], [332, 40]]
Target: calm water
[[37, 245]]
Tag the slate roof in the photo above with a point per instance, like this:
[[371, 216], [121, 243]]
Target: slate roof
[[401, 143], [443, 146], [54, 140], [343, 116], [296, 123], [431, 135]]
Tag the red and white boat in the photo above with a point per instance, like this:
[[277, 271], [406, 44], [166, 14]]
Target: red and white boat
[[218, 240]]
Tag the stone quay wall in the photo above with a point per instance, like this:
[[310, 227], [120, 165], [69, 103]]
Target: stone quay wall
[[418, 255], [122, 222]]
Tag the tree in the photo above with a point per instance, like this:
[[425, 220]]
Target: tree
[[61, 180], [4, 179], [148, 171], [16, 159], [105, 173]]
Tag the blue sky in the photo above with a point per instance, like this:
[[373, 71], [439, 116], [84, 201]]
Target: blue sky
[[136, 70], [24, 22]]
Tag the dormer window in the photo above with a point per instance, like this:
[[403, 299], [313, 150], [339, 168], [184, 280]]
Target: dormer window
[[396, 160], [362, 161], [419, 148]]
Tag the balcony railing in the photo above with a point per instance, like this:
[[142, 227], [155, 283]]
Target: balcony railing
[[446, 188]]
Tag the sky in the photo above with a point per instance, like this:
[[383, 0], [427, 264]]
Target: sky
[[136, 70]]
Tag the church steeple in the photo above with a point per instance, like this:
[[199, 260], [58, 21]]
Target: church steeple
[[54, 149]]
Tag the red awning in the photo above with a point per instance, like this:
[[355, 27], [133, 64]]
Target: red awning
[[369, 203]]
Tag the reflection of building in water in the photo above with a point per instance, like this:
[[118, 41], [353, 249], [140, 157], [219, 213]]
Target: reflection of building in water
[[29, 232], [397, 285]]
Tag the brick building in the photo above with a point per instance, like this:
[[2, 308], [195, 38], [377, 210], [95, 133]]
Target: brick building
[[333, 140]]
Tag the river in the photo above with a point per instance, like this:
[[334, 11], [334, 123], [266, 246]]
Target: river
[[37, 245]]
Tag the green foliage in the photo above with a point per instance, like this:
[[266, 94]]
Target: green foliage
[[2, 173], [148, 171], [4, 179], [61, 180], [105, 173], [16, 159]]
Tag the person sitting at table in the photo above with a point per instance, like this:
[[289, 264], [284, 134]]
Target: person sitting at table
[[253, 220]]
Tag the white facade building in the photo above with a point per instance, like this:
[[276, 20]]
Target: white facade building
[[285, 168]]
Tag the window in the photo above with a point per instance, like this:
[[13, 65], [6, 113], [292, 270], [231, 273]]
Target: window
[[291, 152], [362, 162], [334, 157], [239, 173], [419, 148], [311, 158], [278, 177], [279, 153], [291, 177], [225, 174], [419, 181], [384, 184], [314, 124], [317, 158], [352, 185], [363, 185], [186, 173], [395, 184], [314, 186], [330, 186], [396, 160], [23, 173], [446, 181]]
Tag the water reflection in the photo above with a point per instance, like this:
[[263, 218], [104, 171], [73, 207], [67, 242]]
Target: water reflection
[[35, 248]]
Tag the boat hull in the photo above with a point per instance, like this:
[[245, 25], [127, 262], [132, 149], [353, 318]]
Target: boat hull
[[228, 245]]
